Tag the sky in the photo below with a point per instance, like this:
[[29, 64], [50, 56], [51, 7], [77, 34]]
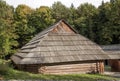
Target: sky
[[38, 3]]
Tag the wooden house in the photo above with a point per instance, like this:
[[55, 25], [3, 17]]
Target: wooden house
[[114, 53], [59, 49]]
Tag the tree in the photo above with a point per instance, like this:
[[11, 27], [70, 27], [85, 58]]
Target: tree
[[108, 23], [24, 31], [40, 19], [104, 25], [59, 11], [114, 18], [84, 22], [7, 30], [72, 15]]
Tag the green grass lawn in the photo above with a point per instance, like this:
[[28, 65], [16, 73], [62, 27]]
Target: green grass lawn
[[14, 74], [10, 73]]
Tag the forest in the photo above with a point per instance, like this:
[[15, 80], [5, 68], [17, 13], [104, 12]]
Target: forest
[[18, 25]]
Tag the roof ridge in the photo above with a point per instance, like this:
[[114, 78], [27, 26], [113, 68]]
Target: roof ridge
[[62, 20], [42, 33]]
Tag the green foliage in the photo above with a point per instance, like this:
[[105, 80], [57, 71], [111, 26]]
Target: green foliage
[[3, 66], [40, 19], [114, 20], [101, 24], [24, 31], [59, 11], [7, 30], [72, 15], [107, 24], [84, 22]]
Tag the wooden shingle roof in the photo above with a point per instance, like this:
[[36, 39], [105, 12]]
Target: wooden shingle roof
[[58, 43], [113, 51]]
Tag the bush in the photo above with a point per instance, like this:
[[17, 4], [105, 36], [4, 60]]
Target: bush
[[3, 66]]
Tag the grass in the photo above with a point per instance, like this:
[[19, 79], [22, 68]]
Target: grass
[[15, 74], [107, 68]]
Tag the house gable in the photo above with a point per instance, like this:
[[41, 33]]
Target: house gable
[[63, 28]]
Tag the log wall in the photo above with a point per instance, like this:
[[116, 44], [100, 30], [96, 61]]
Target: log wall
[[68, 69], [97, 67], [65, 68]]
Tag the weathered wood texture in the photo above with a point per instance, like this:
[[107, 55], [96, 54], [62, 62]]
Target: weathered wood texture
[[62, 28], [60, 43], [67, 68], [115, 65]]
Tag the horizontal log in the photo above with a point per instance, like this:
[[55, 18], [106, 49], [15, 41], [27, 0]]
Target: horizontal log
[[69, 68], [66, 72]]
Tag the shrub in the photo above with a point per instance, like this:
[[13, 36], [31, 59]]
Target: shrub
[[3, 66]]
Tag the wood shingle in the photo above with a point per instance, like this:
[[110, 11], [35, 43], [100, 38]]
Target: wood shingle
[[60, 46], [51, 46]]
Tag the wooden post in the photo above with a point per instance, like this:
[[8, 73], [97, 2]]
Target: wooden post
[[97, 66], [118, 65], [101, 67]]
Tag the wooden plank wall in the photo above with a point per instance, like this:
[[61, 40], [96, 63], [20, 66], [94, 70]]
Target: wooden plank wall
[[115, 65], [33, 68]]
